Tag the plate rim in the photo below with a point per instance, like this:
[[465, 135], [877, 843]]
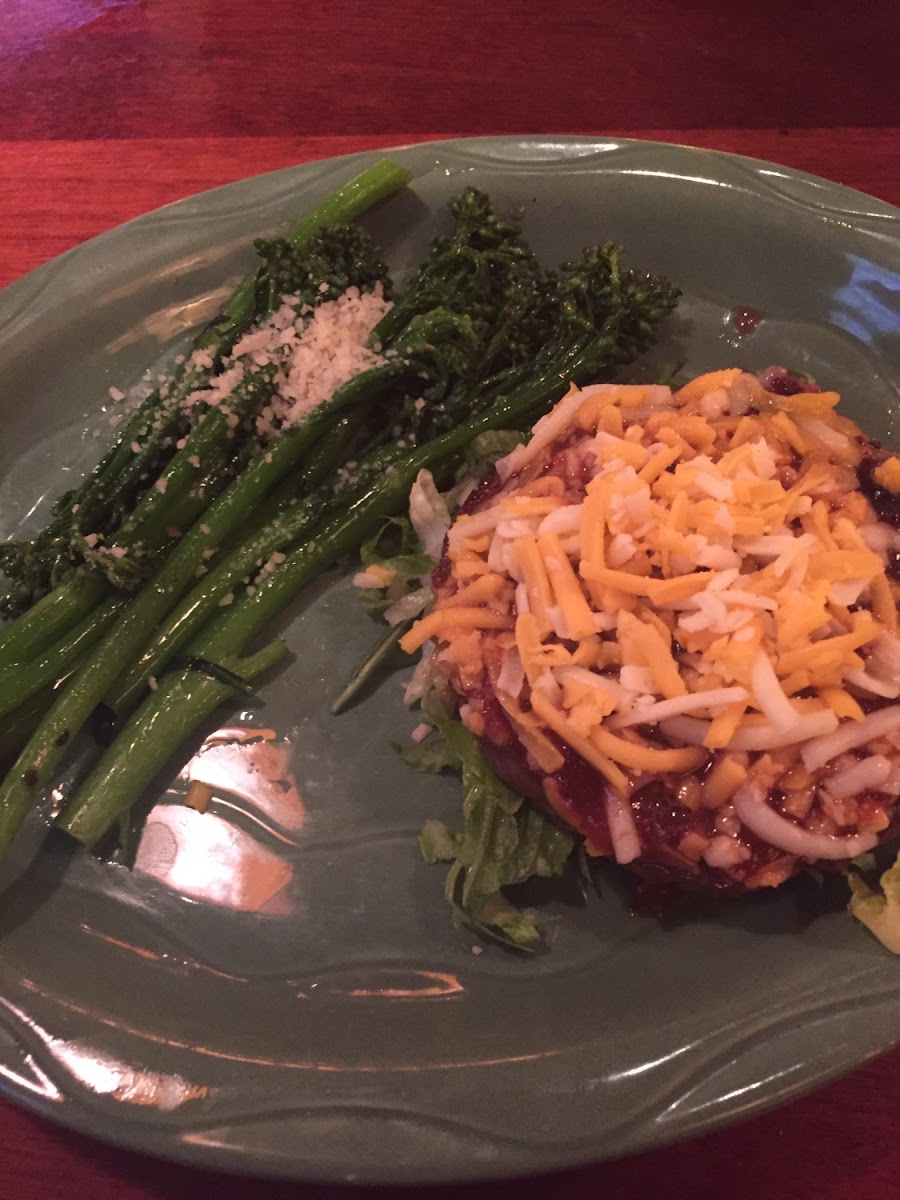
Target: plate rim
[[165, 1143]]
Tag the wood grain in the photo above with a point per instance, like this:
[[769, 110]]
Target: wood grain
[[196, 68], [59, 193], [110, 108]]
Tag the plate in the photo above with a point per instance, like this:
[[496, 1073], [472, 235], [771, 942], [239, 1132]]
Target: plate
[[293, 1000]]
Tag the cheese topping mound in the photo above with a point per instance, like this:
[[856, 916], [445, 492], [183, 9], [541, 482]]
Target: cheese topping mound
[[700, 561]]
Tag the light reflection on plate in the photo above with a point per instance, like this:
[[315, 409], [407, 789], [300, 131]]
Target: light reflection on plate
[[188, 846]]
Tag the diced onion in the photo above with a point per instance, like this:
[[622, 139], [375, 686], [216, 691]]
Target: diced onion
[[565, 519], [879, 536], [884, 657], [550, 427], [869, 773], [546, 683], [408, 606], [472, 525], [374, 579], [824, 433], [724, 851], [637, 679], [851, 734], [677, 705], [591, 679], [512, 674], [847, 591], [622, 829], [868, 683], [750, 805], [415, 689], [756, 737]]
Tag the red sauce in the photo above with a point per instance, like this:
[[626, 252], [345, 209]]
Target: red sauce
[[745, 320], [661, 820], [885, 503], [782, 382], [486, 490], [581, 794]]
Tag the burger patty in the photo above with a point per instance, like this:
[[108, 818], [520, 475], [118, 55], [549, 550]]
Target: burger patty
[[730, 816]]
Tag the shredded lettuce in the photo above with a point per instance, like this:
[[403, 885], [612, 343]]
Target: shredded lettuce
[[395, 547], [483, 451], [430, 757], [504, 841], [878, 907], [428, 514]]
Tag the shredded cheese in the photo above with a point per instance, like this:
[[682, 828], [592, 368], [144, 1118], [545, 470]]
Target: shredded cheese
[[680, 570]]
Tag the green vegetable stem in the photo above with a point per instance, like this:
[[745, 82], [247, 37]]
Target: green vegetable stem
[[483, 340], [310, 253]]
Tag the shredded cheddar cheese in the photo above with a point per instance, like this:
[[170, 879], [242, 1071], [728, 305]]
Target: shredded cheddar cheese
[[888, 474], [705, 557]]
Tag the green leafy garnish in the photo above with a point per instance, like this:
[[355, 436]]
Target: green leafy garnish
[[395, 548], [378, 656], [486, 449], [878, 906], [504, 841], [430, 757]]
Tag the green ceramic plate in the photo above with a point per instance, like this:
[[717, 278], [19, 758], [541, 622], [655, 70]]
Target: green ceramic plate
[[281, 990]]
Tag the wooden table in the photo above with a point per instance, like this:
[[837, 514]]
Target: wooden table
[[109, 108]]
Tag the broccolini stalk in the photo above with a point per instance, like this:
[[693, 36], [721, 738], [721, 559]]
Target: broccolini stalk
[[127, 636], [17, 727], [19, 683], [554, 330], [107, 495], [49, 619], [130, 763]]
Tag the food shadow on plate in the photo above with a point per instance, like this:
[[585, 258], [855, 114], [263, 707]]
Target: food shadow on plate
[[788, 909], [25, 890], [565, 891]]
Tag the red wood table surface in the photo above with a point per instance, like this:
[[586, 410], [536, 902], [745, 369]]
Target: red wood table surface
[[109, 108]]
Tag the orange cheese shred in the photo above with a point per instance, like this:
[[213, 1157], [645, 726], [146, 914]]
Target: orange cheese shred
[[647, 758], [723, 727], [566, 587], [556, 721], [443, 619], [697, 388], [721, 550], [484, 587], [652, 651]]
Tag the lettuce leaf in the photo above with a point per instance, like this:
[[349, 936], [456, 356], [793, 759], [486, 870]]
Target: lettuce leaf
[[878, 907], [503, 841], [395, 547], [428, 514], [430, 757], [484, 450]]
